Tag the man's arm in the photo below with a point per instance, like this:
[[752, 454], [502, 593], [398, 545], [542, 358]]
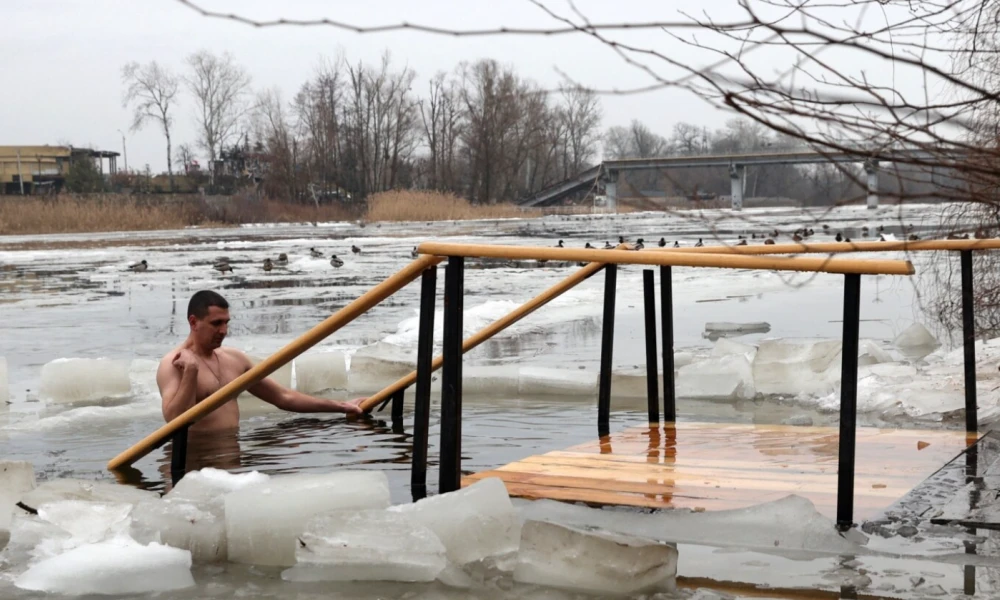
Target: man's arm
[[177, 379], [293, 401]]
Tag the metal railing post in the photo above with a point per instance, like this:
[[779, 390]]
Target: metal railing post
[[397, 411], [969, 341], [652, 379], [178, 455], [667, 314], [451, 378], [607, 347], [422, 393], [848, 402]]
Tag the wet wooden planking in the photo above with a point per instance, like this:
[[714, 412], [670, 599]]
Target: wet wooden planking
[[722, 466]]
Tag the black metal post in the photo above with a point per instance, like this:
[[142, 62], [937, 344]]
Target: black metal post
[[667, 314], [397, 411], [451, 378], [178, 455], [969, 337], [607, 347], [652, 380], [969, 572], [422, 392], [848, 401]]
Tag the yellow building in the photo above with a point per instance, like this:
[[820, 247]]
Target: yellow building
[[31, 169]]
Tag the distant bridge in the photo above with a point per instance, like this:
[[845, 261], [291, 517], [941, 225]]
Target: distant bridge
[[606, 173]]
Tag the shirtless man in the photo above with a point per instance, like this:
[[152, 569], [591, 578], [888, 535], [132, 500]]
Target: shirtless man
[[200, 366]]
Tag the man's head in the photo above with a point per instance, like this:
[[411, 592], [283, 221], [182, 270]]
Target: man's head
[[208, 315]]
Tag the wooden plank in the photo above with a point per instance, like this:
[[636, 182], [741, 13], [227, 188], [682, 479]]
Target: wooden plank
[[701, 479], [825, 503], [723, 466], [611, 461], [791, 448], [691, 485]]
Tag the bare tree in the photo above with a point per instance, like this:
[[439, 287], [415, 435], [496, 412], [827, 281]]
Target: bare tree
[[271, 126], [687, 139], [220, 87], [185, 155], [635, 141], [581, 115], [318, 108], [151, 90]]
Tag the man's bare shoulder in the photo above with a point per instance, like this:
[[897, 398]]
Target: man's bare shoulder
[[167, 360], [237, 355]]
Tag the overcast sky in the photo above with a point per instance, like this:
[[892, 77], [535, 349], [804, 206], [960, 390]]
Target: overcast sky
[[63, 58]]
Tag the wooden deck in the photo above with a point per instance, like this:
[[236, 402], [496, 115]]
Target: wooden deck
[[720, 466]]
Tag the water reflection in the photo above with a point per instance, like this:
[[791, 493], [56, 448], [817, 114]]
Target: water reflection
[[217, 450]]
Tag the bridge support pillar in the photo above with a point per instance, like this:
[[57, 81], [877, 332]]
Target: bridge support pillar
[[611, 191], [871, 168], [737, 176]]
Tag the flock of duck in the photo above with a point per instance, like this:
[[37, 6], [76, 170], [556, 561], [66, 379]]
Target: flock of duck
[[222, 264], [766, 238]]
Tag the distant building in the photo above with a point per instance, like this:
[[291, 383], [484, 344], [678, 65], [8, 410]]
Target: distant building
[[39, 169]]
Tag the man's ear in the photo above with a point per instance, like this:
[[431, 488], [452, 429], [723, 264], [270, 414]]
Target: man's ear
[[191, 320]]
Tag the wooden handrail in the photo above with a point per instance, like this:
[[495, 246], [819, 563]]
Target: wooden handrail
[[280, 358], [725, 260], [490, 330], [835, 247]]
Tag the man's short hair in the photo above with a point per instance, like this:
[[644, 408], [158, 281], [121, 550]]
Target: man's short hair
[[199, 303]]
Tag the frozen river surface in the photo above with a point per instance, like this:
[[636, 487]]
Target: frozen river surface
[[530, 390]]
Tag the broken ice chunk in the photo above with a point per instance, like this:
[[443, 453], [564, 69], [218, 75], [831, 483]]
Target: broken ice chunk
[[368, 545], [543, 381], [81, 489], [716, 330], [915, 342], [870, 353], [320, 371], [264, 520], [87, 522], [593, 560], [201, 530], [790, 367], [790, 523], [631, 383], [378, 365], [210, 484], [192, 515], [723, 378], [85, 379], [63, 525], [16, 478], [473, 523], [498, 381], [119, 566], [726, 347], [32, 538]]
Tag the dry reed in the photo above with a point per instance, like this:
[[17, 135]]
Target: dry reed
[[71, 213], [422, 205], [67, 213]]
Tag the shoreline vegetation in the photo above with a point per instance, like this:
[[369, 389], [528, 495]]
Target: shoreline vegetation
[[96, 213]]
